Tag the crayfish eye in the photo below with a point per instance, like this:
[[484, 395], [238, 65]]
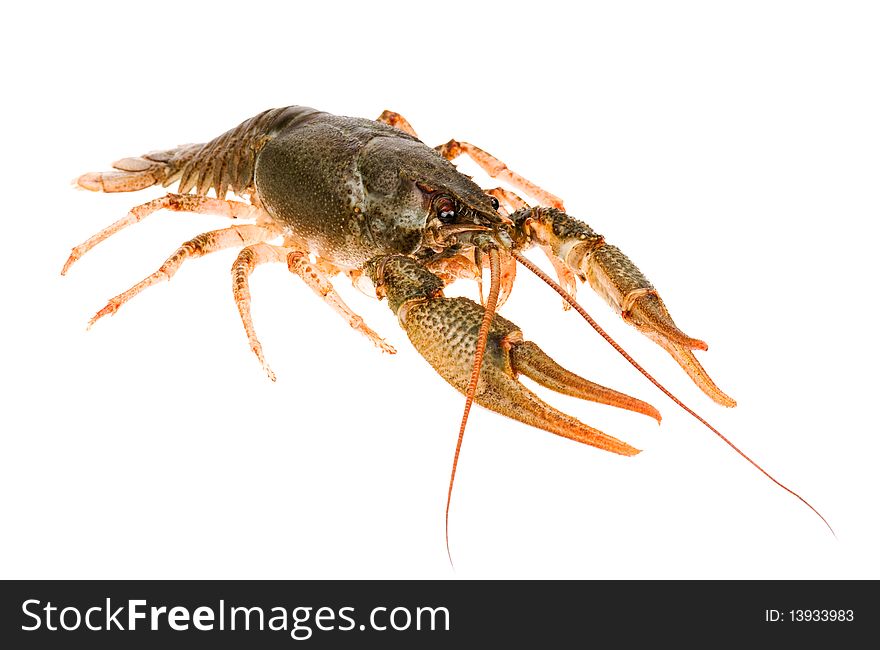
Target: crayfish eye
[[494, 202], [445, 209]]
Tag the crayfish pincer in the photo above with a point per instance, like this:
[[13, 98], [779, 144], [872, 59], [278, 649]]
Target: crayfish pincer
[[328, 195], [444, 331]]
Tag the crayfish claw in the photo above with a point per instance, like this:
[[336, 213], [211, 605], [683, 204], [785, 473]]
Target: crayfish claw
[[445, 332], [688, 362], [530, 360], [504, 395], [573, 245], [647, 313]]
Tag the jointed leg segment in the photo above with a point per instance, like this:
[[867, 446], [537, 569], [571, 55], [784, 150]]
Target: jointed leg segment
[[497, 169], [174, 202], [198, 246], [489, 163], [248, 259], [300, 264], [398, 121]]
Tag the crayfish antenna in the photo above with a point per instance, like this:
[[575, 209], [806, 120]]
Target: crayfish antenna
[[580, 310], [483, 335]]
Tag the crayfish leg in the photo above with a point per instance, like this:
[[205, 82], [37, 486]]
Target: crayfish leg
[[497, 169], [204, 244], [298, 263], [317, 281], [173, 202], [248, 259], [398, 121]]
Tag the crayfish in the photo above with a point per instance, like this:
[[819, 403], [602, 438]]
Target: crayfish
[[329, 195]]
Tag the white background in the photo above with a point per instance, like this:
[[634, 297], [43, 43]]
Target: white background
[[731, 150]]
